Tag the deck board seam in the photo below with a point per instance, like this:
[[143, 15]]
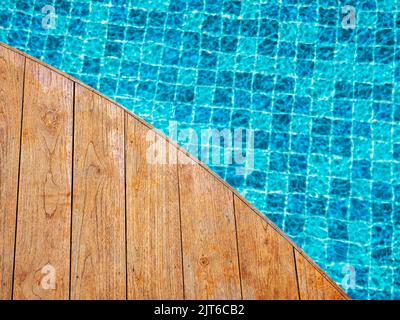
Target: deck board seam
[[19, 178], [126, 211], [72, 189], [323, 274], [237, 245], [297, 273], [180, 223]]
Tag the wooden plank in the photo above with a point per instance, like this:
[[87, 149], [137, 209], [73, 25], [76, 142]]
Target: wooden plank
[[44, 211], [266, 258], [98, 237], [157, 194], [153, 221], [210, 256], [11, 93], [312, 284]]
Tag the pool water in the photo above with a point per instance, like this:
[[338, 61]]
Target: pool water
[[316, 92]]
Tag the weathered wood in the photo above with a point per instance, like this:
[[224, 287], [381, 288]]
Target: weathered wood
[[98, 218], [11, 93], [210, 256], [312, 284], [153, 221], [44, 210], [266, 258], [185, 233]]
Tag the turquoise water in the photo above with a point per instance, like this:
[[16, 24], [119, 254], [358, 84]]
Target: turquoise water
[[317, 100]]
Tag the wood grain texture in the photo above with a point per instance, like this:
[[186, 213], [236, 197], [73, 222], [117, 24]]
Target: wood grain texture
[[210, 256], [312, 284], [153, 221], [98, 237], [185, 233], [266, 258], [11, 93], [44, 210]]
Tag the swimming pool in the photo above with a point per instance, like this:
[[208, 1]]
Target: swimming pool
[[314, 92]]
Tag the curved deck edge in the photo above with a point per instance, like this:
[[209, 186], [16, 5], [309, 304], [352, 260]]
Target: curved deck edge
[[297, 250]]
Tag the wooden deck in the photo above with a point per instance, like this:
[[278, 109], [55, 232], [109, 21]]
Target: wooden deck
[[84, 215]]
